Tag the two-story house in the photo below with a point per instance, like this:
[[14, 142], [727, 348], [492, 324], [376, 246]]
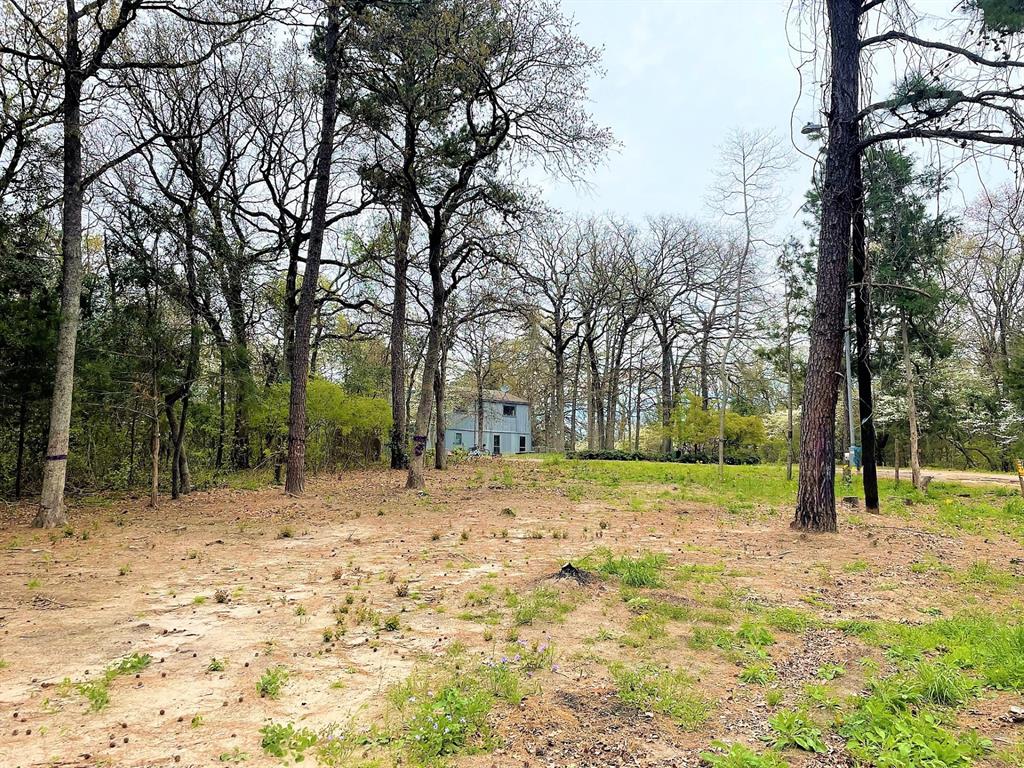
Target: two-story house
[[506, 423]]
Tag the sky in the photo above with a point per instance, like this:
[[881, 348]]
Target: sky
[[679, 76]]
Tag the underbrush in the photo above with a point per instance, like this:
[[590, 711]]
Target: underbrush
[[670, 692]]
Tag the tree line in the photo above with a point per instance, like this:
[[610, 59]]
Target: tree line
[[245, 236]]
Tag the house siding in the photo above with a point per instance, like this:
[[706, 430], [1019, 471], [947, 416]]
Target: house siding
[[509, 429]]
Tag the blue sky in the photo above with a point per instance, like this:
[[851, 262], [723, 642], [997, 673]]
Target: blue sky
[[679, 75]]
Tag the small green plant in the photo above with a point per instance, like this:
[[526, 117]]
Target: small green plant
[[773, 697], [740, 756], [392, 623], [216, 665], [285, 741], [271, 682], [197, 721], [758, 674], [97, 691], [124, 570], [795, 729], [670, 692], [234, 756], [830, 671]]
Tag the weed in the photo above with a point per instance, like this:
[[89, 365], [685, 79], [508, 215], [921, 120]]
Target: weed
[[670, 692], [392, 623], [857, 566], [773, 697], [124, 570], [197, 721], [234, 756], [542, 604], [830, 671], [286, 532], [285, 741], [758, 674], [641, 571], [271, 682], [795, 729], [740, 756], [216, 665], [98, 691]]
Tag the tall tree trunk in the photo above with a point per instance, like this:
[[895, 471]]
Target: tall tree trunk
[[666, 396], [51, 512], [862, 320], [20, 463], [908, 365], [222, 424], [571, 445], [480, 412], [440, 454], [789, 400], [559, 409], [295, 480], [399, 414], [154, 446], [415, 479], [816, 501]]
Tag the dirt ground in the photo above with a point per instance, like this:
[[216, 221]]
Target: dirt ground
[[253, 578]]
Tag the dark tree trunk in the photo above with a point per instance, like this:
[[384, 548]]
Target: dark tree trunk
[[862, 319], [51, 512], [416, 478], [440, 454], [20, 463], [816, 502], [222, 426], [666, 396], [399, 414], [295, 480]]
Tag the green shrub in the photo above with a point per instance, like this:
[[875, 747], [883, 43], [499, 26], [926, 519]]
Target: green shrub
[[285, 741]]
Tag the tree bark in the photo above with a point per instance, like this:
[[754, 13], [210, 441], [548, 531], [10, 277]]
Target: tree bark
[[415, 480], [440, 454], [20, 463], [666, 396], [915, 458], [295, 481], [399, 414], [154, 446], [816, 502], [862, 320], [51, 512]]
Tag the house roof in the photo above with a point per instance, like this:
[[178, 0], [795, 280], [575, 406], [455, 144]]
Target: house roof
[[497, 396], [467, 398]]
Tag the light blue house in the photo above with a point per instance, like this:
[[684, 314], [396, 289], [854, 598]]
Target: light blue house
[[506, 423]]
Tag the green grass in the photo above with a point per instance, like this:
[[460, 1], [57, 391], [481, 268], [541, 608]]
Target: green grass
[[740, 756], [641, 571], [542, 604], [670, 692]]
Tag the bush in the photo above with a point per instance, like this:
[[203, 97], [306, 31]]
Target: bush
[[734, 456]]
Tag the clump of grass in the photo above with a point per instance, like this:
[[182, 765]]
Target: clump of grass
[[542, 604], [216, 665], [740, 756], [641, 571], [758, 674], [271, 682], [670, 692]]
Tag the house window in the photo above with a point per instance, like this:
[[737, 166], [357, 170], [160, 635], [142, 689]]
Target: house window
[[508, 410], [458, 438], [522, 443]]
